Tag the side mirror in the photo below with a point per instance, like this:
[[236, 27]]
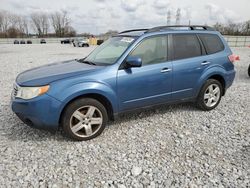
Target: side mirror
[[132, 61]]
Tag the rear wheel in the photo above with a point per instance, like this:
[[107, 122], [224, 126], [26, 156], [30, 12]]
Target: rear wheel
[[210, 95], [84, 119]]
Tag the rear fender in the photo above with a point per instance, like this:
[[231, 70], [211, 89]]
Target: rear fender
[[212, 71]]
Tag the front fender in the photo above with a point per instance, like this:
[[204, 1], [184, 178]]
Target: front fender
[[69, 92], [211, 71]]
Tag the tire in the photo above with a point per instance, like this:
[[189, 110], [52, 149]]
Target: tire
[[85, 45], [210, 95], [249, 71], [84, 119]]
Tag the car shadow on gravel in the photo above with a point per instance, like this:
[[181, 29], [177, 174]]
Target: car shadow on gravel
[[16, 130], [24, 133], [160, 110]]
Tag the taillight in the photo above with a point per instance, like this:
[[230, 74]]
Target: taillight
[[232, 58]]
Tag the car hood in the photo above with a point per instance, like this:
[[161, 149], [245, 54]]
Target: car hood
[[48, 73]]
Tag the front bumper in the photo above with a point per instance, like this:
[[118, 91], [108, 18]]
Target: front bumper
[[40, 112]]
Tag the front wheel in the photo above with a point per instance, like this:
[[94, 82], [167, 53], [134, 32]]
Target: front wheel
[[84, 119], [210, 95]]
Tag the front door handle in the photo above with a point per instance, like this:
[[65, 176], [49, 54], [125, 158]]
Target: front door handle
[[165, 70], [205, 63]]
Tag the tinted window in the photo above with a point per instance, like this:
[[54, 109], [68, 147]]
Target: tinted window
[[152, 50], [186, 46], [212, 43]]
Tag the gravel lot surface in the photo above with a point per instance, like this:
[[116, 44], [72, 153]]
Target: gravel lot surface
[[177, 146]]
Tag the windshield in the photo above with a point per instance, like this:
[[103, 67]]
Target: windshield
[[110, 51]]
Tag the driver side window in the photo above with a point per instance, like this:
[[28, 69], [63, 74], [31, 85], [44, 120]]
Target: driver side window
[[152, 50]]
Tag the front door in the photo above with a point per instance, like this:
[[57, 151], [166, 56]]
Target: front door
[[152, 82]]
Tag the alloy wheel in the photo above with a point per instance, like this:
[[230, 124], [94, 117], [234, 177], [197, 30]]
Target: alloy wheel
[[86, 121], [212, 95]]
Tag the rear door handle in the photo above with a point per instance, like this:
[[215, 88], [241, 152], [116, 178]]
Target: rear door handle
[[205, 63], [165, 70]]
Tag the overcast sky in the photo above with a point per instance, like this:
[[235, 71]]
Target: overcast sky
[[101, 15]]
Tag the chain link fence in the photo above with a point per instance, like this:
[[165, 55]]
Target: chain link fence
[[233, 41], [238, 41]]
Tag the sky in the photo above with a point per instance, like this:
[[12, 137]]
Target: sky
[[98, 16]]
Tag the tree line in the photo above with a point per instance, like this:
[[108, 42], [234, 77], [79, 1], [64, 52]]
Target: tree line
[[40, 23], [58, 24], [234, 28]]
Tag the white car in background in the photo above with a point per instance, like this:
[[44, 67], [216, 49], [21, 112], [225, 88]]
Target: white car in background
[[81, 42]]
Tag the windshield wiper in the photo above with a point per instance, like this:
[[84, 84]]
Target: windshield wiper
[[84, 61]]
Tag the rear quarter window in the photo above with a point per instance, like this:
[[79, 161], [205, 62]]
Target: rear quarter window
[[212, 43]]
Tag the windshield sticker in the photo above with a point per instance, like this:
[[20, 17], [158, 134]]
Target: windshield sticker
[[127, 39]]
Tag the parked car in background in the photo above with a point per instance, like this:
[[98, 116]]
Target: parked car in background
[[132, 70], [29, 42], [42, 41], [81, 42], [22, 42], [66, 41], [16, 42]]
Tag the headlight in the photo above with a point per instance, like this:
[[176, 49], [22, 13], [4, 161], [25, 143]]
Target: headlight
[[31, 92]]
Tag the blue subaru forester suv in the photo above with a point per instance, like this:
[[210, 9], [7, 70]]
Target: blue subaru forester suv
[[132, 70]]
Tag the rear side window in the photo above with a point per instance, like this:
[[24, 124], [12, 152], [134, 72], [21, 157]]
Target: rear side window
[[186, 46], [212, 43]]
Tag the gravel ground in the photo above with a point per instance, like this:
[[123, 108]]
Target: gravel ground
[[177, 146]]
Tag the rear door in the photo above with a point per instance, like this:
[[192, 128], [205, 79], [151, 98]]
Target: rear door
[[189, 61], [215, 50]]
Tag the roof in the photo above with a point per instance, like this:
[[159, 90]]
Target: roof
[[139, 32]]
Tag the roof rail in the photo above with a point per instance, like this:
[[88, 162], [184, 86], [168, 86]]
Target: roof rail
[[171, 27], [133, 30]]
